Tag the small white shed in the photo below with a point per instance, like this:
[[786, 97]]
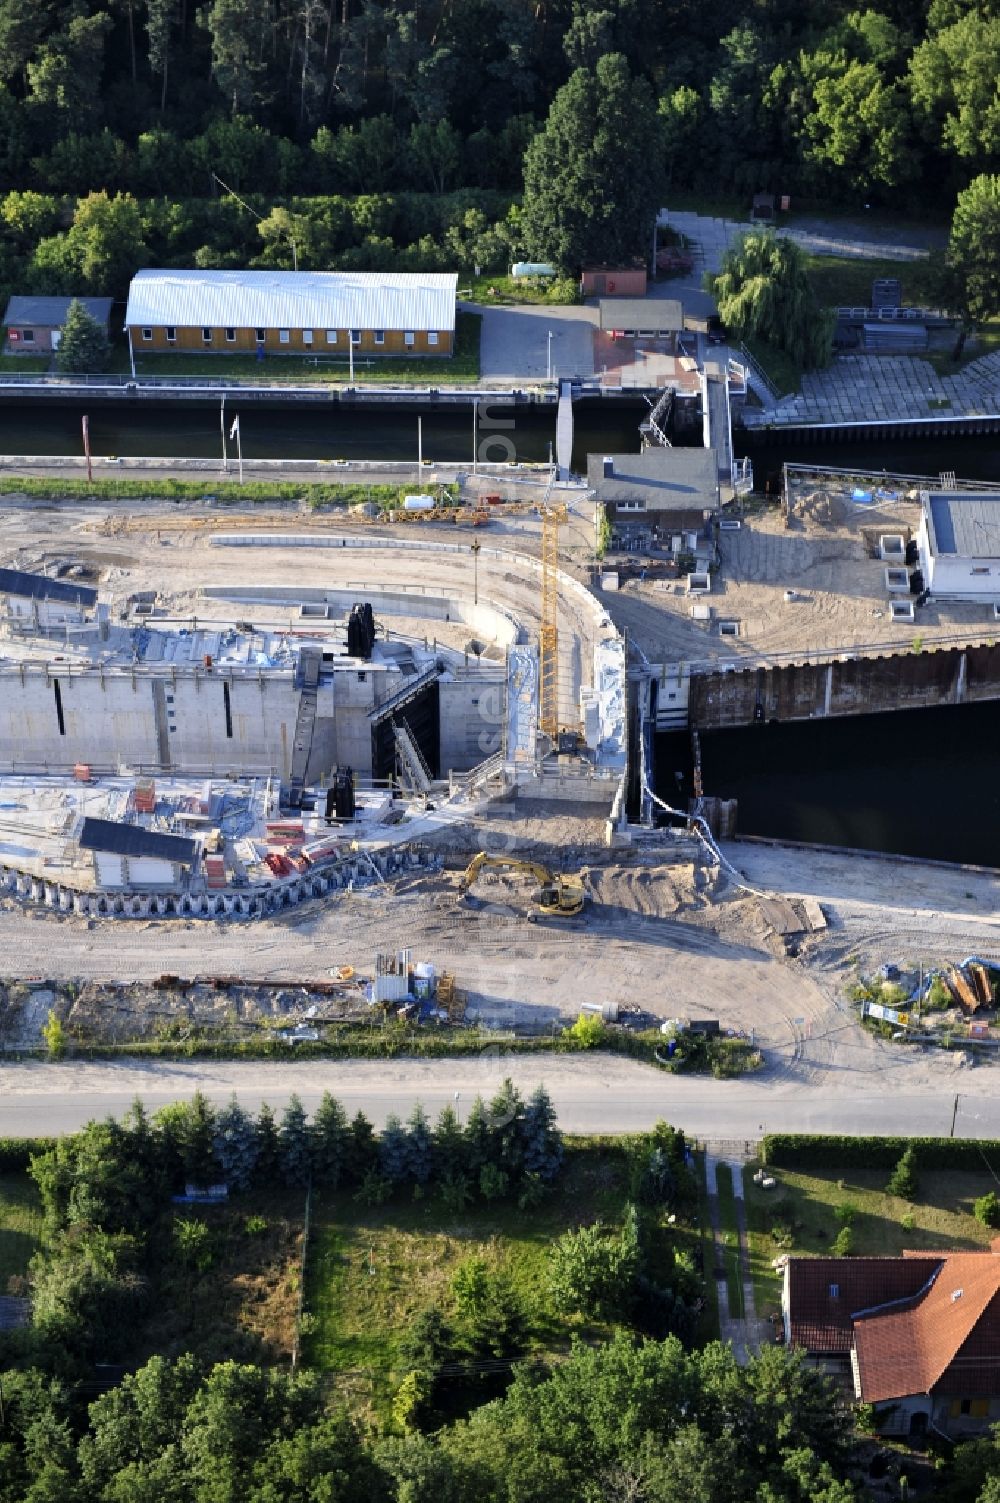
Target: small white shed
[[958, 542]]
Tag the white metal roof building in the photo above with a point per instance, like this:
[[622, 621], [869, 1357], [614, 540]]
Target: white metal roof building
[[293, 299]]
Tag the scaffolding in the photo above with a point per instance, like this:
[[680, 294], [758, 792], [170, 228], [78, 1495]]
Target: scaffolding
[[552, 519]]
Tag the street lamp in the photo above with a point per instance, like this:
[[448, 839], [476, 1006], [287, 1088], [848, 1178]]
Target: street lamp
[[475, 555], [548, 365]]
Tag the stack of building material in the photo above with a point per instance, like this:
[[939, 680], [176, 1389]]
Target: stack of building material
[[145, 796], [285, 832]]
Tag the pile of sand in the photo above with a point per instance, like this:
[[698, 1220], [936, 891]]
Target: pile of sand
[[822, 508]]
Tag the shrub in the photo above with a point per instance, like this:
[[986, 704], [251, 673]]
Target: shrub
[[987, 1209], [843, 1244], [54, 1035], [846, 1214], [588, 1030]]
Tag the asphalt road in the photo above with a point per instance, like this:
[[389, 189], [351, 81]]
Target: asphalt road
[[595, 1094]]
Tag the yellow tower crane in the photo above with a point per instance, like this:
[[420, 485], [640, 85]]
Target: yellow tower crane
[[552, 519]]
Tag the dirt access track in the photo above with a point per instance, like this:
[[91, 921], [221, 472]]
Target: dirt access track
[[667, 938]]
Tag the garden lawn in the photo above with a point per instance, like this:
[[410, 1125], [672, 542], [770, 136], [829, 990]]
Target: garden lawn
[[731, 1240], [371, 1270], [708, 1324], [388, 370], [846, 281], [798, 1216], [25, 364], [20, 1225]]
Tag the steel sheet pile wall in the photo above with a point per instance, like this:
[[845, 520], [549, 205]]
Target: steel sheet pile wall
[[857, 686]]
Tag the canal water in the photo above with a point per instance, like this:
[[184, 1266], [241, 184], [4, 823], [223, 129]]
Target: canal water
[[976, 457], [914, 782], [173, 430]]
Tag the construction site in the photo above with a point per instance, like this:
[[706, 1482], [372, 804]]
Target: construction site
[[301, 731]]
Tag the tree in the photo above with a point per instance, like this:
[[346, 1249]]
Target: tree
[[330, 1134], [66, 71], [420, 1146], [541, 1139], [235, 1145], [903, 1179], [590, 1271], [763, 292], [294, 1141], [268, 1146], [84, 346], [107, 242], [240, 32], [971, 263], [393, 1151], [594, 175], [952, 79]]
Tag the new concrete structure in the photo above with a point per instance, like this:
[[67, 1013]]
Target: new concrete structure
[[958, 542], [292, 312], [34, 325]]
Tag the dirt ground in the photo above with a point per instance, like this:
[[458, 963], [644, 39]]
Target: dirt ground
[[823, 556]]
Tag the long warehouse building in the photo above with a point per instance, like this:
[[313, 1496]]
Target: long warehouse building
[[318, 313]]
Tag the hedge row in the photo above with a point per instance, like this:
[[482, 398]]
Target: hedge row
[[15, 1153], [833, 1151]]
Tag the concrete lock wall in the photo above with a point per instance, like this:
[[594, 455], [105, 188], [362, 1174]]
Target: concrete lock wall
[[471, 712], [859, 686]]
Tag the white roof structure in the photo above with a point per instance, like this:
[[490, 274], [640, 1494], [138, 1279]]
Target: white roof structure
[[293, 299]]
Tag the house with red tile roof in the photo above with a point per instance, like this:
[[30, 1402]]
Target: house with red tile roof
[[919, 1335]]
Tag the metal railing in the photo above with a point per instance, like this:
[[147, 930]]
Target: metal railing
[[891, 315], [760, 373]]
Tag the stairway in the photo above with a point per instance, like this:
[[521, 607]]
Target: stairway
[[403, 696], [414, 771], [310, 662]]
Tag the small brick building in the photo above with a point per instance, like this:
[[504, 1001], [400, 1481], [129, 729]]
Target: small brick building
[[33, 325]]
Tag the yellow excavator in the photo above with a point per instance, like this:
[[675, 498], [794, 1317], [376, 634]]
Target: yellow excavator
[[557, 896]]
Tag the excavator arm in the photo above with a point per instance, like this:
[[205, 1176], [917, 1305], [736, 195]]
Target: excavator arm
[[556, 894]]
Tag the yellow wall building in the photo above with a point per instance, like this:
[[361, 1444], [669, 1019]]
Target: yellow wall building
[[322, 313]]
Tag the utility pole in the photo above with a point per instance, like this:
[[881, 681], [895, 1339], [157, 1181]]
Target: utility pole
[[222, 429], [420, 447], [475, 559], [954, 1115], [85, 424], [475, 433]]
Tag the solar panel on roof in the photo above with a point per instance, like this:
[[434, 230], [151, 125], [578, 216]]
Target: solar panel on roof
[[132, 840], [41, 587]]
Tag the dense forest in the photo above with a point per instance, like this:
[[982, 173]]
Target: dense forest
[[399, 132]]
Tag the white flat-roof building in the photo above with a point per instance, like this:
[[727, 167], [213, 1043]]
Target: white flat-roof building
[[958, 541]]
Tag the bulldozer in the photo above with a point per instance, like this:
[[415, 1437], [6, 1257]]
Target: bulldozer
[[557, 896]]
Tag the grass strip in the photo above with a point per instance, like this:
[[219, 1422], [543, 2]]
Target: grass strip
[[317, 493], [730, 1240]]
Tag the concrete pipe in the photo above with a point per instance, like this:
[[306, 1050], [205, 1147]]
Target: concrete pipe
[[65, 900]]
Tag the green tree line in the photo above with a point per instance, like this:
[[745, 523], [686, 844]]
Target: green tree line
[[599, 110], [629, 1420]]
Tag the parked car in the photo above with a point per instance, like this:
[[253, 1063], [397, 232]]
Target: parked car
[[672, 261], [717, 333]]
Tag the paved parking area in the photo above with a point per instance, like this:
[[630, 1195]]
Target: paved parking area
[[515, 342]]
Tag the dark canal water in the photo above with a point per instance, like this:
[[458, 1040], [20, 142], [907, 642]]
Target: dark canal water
[[973, 458], [315, 431], [916, 782]]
